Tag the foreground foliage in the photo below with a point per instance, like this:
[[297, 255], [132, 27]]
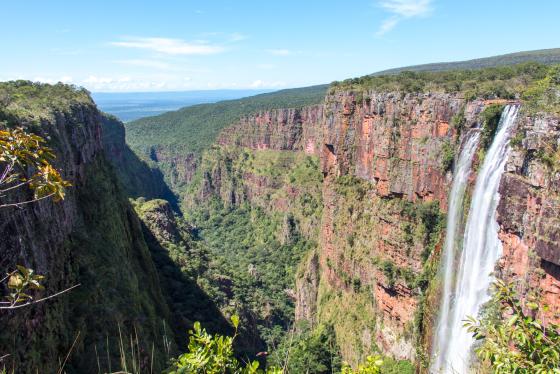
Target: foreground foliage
[[214, 354], [520, 343], [23, 153]]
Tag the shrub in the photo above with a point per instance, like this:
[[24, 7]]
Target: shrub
[[213, 354], [490, 120], [520, 342], [447, 156]]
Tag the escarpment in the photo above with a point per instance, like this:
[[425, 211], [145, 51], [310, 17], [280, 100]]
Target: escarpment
[[92, 239], [528, 212], [386, 165]]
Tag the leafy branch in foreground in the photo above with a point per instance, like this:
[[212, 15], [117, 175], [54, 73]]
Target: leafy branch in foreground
[[212, 354], [21, 152], [19, 283], [518, 342]]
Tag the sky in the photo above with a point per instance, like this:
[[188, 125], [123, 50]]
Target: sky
[[170, 45]]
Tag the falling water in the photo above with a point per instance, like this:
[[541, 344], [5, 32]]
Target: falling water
[[452, 239], [481, 250]]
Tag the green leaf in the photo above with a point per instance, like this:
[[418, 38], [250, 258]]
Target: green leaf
[[235, 320], [512, 320]]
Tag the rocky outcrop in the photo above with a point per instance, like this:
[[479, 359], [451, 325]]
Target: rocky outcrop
[[297, 129], [528, 212], [394, 140]]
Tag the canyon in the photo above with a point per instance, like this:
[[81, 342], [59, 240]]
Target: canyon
[[356, 190]]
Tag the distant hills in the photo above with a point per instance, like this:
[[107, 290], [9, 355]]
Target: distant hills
[[128, 106], [194, 128], [543, 56]]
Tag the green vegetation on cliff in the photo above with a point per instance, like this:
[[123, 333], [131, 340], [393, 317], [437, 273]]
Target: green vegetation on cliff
[[195, 128], [255, 272], [503, 82], [30, 101]]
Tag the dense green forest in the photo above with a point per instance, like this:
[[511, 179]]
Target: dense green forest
[[192, 129]]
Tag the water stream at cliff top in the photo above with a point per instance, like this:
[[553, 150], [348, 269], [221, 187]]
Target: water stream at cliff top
[[466, 284]]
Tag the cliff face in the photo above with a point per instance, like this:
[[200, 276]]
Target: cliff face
[[382, 193], [385, 192], [137, 178], [297, 130], [530, 198], [385, 163], [92, 238], [269, 160]]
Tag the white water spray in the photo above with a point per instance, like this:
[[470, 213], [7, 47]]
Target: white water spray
[[453, 241], [481, 249]]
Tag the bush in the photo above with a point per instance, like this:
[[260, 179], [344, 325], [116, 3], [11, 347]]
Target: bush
[[490, 120], [214, 354], [447, 156], [522, 343], [309, 351]]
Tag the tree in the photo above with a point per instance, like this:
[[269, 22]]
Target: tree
[[517, 341], [25, 162]]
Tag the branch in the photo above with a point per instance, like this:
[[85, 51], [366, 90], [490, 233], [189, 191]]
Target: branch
[[7, 276], [26, 202], [40, 300], [7, 170], [16, 186]]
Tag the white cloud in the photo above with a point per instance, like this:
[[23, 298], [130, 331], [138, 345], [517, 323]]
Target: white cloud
[[266, 66], [170, 46], [136, 83], [407, 8], [145, 63], [401, 10], [263, 84], [279, 52], [237, 37], [64, 79], [387, 25]]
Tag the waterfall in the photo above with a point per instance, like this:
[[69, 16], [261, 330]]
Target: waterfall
[[452, 238], [481, 248]]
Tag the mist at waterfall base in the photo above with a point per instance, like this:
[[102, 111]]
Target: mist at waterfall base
[[466, 279]]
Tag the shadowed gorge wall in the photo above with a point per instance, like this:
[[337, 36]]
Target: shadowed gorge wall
[[92, 238]]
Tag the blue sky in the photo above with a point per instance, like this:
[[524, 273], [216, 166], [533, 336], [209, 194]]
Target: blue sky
[[123, 45]]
